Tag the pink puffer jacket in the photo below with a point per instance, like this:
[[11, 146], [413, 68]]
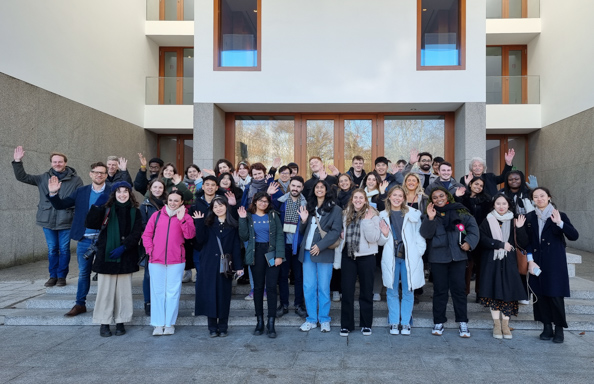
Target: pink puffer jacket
[[167, 244]]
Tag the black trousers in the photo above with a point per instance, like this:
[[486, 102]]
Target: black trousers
[[220, 325], [336, 281], [449, 277], [291, 262], [549, 310], [364, 267], [264, 275]]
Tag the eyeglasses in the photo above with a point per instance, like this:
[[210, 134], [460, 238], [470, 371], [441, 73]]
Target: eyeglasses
[[285, 173], [99, 173], [263, 201], [426, 161]]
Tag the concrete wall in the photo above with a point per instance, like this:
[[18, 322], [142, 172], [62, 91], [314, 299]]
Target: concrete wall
[[470, 132], [351, 51], [92, 52], [43, 122], [209, 134], [562, 158]]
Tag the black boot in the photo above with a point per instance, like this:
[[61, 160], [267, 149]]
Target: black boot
[[259, 326], [547, 333], [104, 330], [120, 330], [270, 328], [558, 334]]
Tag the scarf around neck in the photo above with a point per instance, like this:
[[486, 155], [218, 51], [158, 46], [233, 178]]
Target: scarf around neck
[[502, 232], [171, 212], [543, 216], [255, 187], [451, 215], [352, 237], [114, 238]]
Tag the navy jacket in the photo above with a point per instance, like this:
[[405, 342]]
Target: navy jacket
[[79, 199]]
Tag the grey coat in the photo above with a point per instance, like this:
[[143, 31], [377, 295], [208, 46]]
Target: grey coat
[[331, 222], [47, 215]]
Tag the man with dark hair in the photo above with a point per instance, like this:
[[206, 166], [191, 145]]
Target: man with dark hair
[[318, 173], [288, 205], [284, 178], [117, 170], [142, 179], [56, 224], [425, 161], [81, 199], [446, 181], [356, 171]]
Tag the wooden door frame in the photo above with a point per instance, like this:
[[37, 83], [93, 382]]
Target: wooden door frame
[[503, 148], [505, 71], [179, 149], [180, 10], [179, 83]]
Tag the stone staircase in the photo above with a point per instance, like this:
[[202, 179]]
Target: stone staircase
[[49, 308]]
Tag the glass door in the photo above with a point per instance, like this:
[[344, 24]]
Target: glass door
[[321, 139], [176, 75], [357, 136], [507, 70], [176, 149]]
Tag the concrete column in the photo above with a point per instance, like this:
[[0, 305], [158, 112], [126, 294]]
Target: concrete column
[[209, 134], [471, 134]]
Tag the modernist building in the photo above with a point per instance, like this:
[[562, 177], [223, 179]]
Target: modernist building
[[199, 80]]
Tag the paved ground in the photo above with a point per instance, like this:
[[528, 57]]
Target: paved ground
[[60, 354]]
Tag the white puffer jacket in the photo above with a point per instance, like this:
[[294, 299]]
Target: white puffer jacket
[[414, 247]]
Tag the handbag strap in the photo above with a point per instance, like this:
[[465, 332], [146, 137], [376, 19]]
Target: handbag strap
[[155, 227], [516, 241], [103, 224], [322, 232], [220, 246]]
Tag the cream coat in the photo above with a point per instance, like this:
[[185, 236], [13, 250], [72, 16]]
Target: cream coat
[[414, 247], [370, 234]]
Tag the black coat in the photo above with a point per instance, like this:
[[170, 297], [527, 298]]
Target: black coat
[[443, 246], [492, 180], [549, 253], [213, 290], [500, 279], [131, 233]]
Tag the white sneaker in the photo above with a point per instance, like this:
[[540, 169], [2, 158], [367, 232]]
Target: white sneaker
[[307, 326], [187, 276], [377, 297], [524, 302], [464, 332], [335, 296], [405, 330], [169, 330], [394, 329], [366, 331], [158, 331], [325, 326], [437, 329], [250, 296]]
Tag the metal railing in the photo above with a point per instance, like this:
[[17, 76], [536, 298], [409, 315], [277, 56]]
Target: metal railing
[[169, 91]]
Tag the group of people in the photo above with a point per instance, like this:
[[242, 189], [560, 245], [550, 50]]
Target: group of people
[[379, 228]]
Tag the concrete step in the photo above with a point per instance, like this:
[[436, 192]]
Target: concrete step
[[422, 319], [572, 306]]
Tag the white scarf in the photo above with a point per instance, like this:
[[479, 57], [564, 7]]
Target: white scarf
[[171, 212], [500, 233], [543, 216]]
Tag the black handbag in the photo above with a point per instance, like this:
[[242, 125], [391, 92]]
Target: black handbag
[[226, 262], [143, 257]]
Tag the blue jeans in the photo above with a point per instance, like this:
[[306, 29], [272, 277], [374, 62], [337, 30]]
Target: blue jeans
[[316, 289], [397, 309], [58, 245], [84, 271]]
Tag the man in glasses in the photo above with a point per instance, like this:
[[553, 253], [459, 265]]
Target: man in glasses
[[81, 199], [425, 163]]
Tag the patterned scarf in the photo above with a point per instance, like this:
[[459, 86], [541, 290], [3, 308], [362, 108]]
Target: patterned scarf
[[292, 214], [500, 233], [543, 216], [352, 237]]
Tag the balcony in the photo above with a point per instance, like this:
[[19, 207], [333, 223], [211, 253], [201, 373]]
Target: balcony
[[513, 104], [169, 104], [512, 22], [170, 23]]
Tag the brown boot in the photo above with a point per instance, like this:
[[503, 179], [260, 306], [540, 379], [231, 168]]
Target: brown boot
[[505, 329], [497, 329], [76, 310]]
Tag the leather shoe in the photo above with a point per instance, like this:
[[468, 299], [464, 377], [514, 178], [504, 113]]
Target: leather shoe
[[300, 311], [104, 331], [214, 334], [147, 309], [120, 330], [61, 282], [76, 310], [51, 282], [94, 277], [282, 310]]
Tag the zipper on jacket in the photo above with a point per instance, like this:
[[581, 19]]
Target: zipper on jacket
[[167, 240]]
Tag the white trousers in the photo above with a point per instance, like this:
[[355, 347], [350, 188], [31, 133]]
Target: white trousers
[[166, 283]]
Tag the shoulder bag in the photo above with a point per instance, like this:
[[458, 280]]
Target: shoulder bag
[[226, 262], [323, 234], [144, 257], [521, 256]]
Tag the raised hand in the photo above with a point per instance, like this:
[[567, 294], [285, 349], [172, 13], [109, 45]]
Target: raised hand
[[467, 178], [276, 162], [394, 168], [208, 171], [414, 156], [384, 228], [18, 154], [198, 215], [242, 212], [268, 176], [333, 170], [460, 191], [122, 164], [176, 179], [322, 174], [142, 159], [236, 177], [231, 198], [520, 221], [382, 187], [273, 188], [53, 185], [303, 214], [431, 212], [532, 183], [509, 156], [181, 212], [556, 216]]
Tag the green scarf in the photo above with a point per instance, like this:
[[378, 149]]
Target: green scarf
[[113, 229]]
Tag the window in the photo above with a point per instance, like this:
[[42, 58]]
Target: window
[[176, 149], [262, 138], [237, 35], [176, 75], [498, 145], [441, 34], [507, 82]]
